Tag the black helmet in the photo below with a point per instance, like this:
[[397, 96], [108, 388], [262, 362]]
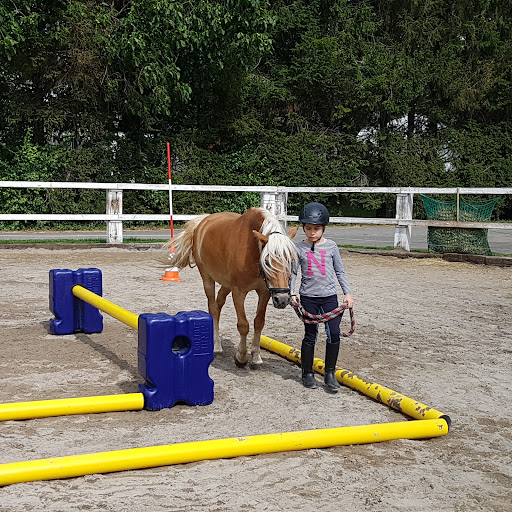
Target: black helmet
[[314, 213]]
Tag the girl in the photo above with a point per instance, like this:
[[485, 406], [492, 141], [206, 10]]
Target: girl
[[320, 263]]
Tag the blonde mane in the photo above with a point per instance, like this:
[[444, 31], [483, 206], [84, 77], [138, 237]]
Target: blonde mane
[[279, 251]]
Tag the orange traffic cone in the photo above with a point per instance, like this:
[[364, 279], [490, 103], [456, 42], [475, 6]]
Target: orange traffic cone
[[171, 274]]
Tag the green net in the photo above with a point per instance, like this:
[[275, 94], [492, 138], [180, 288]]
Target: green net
[[460, 240]]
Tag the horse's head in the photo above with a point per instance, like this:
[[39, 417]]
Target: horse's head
[[277, 255]]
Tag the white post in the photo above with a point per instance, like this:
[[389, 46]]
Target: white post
[[403, 232], [275, 203], [114, 207]]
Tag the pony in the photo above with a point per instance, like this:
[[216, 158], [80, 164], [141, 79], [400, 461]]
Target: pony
[[242, 253]]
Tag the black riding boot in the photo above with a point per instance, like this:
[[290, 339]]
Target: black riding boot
[[307, 353], [331, 356]]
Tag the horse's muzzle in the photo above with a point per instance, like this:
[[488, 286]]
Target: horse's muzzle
[[280, 297]]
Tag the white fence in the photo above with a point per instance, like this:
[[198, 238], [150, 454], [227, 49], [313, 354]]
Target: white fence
[[273, 198]]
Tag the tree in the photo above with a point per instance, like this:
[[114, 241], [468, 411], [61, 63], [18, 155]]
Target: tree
[[374, 92]]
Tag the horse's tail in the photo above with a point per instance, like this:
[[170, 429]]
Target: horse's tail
[[181, 245]]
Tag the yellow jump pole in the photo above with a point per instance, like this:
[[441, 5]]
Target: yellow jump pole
[[93, 404], [68, 406], [379, 393], [138, 458], [121, 314]]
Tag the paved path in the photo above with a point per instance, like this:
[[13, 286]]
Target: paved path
[[500, 240]]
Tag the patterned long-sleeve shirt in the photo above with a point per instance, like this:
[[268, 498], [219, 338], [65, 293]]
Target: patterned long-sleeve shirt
[[319, 270]]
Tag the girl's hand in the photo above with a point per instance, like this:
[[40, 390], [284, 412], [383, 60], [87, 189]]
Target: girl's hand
[[295, 299], [349, 300]]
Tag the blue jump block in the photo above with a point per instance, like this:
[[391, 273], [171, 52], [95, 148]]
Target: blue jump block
[[174, 354], [72, 314]]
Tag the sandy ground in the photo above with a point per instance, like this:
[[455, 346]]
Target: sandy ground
[[436, 331]]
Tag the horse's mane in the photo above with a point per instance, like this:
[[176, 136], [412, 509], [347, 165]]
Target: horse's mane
[[279, 248]]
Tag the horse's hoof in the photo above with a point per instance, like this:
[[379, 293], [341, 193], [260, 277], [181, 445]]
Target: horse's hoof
[[239, 364], [257, 362], [217, 350]]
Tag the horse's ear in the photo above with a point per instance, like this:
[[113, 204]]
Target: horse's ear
[[293, 232], [260, 236]]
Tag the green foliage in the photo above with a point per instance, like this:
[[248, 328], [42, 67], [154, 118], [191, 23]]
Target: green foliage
[[35, 163], [270, 157], [169, 54], [405, 162], [481, 155], [481, 158], [253, 92]]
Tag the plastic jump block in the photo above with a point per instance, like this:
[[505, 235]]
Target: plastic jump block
[[72, 314], [174, 352], [173, 357]]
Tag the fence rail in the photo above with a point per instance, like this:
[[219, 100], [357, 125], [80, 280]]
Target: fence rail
[[256, 188], [272, 197]]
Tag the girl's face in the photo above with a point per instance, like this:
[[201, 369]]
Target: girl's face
[[313, 232]]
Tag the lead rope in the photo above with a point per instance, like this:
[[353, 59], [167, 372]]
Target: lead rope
[[310, 318]]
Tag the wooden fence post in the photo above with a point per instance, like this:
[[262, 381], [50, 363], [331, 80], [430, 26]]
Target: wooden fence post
[[114, 207], [275, 202], [403, 232]]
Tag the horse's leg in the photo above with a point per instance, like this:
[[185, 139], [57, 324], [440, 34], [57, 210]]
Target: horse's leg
[[221, 300], [213, 309], [259, 323], [241, 356]]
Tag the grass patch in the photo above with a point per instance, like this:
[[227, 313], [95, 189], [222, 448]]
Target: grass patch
[[129, 240], [75, 241], [424, 251], [52, 241], [386, 248], [349, 246]]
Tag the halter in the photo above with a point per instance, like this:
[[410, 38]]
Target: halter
[[262, 274]]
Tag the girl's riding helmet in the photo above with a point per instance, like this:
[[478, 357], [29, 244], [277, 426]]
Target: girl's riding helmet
[[314, 213]]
